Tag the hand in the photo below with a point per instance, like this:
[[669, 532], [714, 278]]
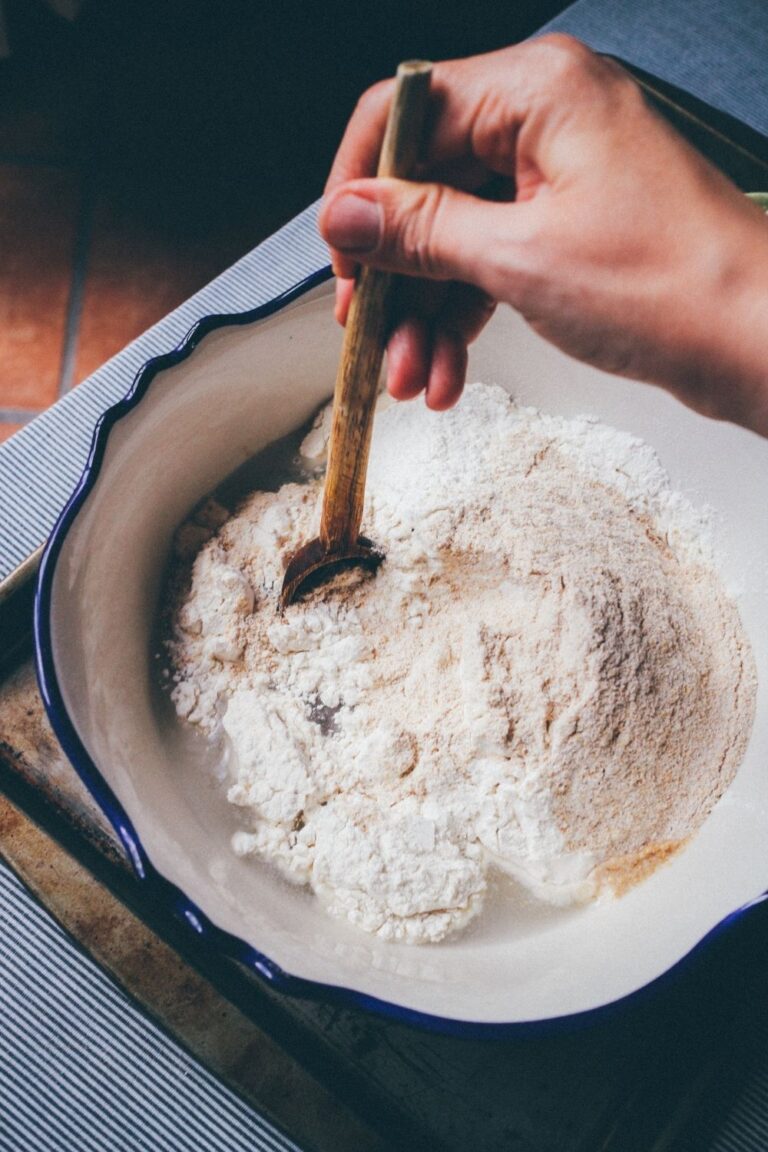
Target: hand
[[550, 185]]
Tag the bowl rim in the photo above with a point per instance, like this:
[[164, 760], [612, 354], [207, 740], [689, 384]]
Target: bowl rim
[[165, 895]]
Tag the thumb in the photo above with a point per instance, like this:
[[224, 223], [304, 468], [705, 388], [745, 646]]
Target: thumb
[[426, 230]]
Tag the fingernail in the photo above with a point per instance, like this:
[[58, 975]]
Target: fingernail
[[353, 224]]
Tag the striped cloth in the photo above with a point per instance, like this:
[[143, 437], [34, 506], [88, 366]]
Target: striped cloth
[[715, 49], [83, 1070], [746, 1127]]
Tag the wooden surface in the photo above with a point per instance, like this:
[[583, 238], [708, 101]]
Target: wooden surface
[[38, 211]]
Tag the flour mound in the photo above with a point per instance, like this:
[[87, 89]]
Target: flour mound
[[545, 676]]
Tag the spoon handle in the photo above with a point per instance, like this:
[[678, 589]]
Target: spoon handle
[[357, 381]]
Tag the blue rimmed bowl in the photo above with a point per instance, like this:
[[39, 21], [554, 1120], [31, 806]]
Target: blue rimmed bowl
[[235, 385]]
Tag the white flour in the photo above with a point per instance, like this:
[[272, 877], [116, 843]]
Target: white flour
[[545, 676]]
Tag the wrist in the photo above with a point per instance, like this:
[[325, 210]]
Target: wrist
[[724, 369], [744, 327]]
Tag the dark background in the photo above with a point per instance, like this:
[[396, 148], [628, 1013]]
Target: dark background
[[148, 144], [192, 110]]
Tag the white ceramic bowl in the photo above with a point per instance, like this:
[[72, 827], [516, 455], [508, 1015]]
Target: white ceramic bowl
[[191, 418]]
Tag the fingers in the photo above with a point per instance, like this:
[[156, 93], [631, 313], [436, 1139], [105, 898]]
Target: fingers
[[427, 348], [427, 351], [427, 230], [465, 311], [447, 372], [430, 361], [420, 359], [465, 176], [409, 358], [458, 105], [458, 97], [488, 116], [492, 115], [476, 106]]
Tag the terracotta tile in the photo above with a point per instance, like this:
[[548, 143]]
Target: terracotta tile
[[7, 430], [38, 209], [137, 272]]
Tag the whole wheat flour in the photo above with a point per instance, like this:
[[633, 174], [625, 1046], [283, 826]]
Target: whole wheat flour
[[545, 676]]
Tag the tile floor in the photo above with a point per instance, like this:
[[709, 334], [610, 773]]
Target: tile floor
[[83, 271], [104, 226], [131, 174], [146, 147]]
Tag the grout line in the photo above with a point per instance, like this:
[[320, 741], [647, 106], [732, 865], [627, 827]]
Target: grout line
[[77, 288], [17, 415]]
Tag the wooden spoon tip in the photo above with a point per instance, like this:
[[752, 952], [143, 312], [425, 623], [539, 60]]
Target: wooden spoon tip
[[313, 564], [414, 67]]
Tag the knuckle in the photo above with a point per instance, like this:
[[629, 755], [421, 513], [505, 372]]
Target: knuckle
[[417, 239], [570, 66], [567, 66], [565, 57]]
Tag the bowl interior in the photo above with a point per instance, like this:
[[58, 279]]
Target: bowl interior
[[242, 388]]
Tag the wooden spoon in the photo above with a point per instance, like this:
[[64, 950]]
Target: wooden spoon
[[340, 543]]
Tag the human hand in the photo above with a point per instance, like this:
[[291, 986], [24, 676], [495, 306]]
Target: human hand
[[613, 237]]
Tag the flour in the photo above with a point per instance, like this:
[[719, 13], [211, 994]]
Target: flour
[[545, 676]]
